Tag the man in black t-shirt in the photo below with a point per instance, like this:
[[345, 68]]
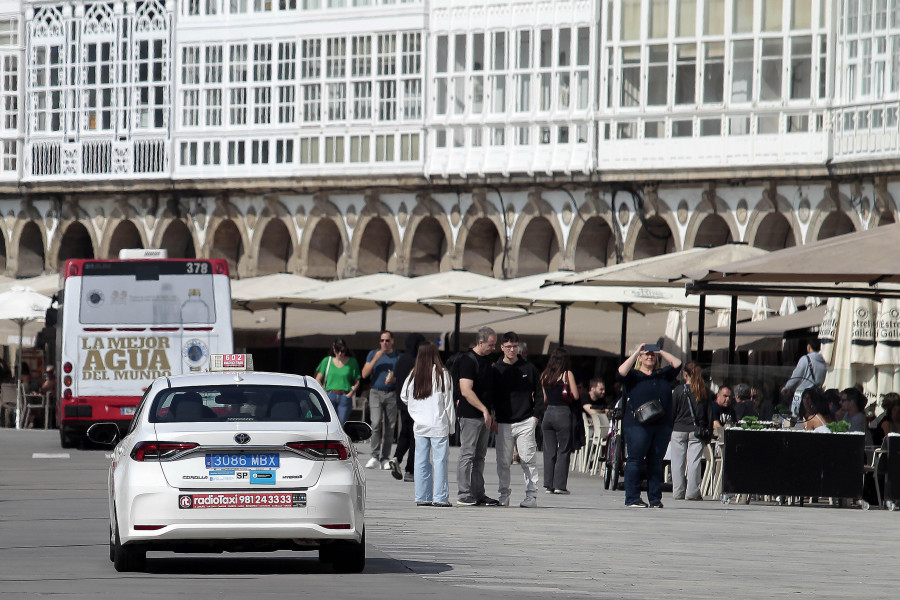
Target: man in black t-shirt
[[475, 420], [722, 411], [517, 389]]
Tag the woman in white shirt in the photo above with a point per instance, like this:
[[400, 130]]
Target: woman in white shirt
[[428, 393]]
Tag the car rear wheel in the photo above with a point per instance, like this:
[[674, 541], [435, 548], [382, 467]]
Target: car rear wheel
[[127, 558], [112, 543], [350, 557], [326, 554]]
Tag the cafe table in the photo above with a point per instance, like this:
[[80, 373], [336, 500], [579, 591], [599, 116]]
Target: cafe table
[[791, 462]]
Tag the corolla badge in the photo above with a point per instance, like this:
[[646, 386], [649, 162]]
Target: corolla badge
[[242, 438]]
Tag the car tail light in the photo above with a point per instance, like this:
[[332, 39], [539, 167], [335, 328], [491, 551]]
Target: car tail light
[[67, 381], [148, 527], [67, 367], [143, 451], [321, 450], [337, 526]]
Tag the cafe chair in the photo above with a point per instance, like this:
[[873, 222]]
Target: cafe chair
[[8, 405], [598, 442], [35, 406]]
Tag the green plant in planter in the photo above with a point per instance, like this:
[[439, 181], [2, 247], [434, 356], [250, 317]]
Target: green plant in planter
[[838, 426]]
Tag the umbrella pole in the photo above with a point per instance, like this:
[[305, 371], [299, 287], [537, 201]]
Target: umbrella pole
[[623, 335], [732, 334], [562, 322], [281, 341], [701, 324], [384, 307], [456, 319], [19, 381]]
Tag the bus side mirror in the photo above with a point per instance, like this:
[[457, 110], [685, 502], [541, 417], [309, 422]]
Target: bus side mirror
[[105, 434]]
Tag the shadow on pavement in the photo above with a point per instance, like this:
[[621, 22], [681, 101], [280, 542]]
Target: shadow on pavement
[[262, 565]]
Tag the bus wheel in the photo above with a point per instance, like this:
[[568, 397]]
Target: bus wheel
[[65, 438]]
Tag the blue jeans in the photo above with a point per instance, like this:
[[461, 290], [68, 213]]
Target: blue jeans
[[431, 469], [342, 404], [645, 443]]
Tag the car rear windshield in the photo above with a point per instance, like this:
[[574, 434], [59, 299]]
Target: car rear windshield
[[210, 404]]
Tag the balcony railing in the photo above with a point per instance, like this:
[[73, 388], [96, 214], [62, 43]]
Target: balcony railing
[[100, 159]]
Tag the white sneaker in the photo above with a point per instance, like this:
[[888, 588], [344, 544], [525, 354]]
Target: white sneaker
[[373, 463], [386, 465]]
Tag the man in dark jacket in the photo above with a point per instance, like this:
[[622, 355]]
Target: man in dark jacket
[[517, 392], [406, 440]]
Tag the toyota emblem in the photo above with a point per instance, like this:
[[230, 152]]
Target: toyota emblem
[[242, 438]]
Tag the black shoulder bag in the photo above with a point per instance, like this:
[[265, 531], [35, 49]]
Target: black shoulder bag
[[703, 434], [650, 412]]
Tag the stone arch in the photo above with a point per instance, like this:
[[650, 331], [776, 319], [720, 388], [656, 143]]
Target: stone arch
[[712, 230], [885, 218], [774, 232], [482, 247], [323, 249], [651, 237], [833, 224], [375, 247], [595, 244], [125, 234], [75, 242], [177, 241], [712, 223], [227, 242], [772, 224], [537, 250], [31, 256], [276, 248], [537, 239], [426, 249], [833, 215]]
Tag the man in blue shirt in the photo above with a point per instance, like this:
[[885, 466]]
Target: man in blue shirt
[[380, 365]]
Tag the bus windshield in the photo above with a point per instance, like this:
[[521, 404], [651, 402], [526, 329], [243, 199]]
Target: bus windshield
[[147, 293]]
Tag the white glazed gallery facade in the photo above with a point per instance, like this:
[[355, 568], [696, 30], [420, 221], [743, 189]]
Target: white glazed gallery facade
[[335, 138]]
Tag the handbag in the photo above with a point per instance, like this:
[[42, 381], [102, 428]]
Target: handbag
[[703, 434], [651, 411], [566, 392]]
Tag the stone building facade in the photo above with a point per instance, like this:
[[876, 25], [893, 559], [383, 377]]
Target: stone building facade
[[335, 138]]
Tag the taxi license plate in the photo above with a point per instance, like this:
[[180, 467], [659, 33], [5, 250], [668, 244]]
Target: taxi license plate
[[230, 461], [128, 411], [241, 500]]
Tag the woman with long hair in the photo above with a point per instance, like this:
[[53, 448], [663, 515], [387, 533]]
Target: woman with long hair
[[428, 394], [644, 381], [560, 394], [339, 374], [690, 404], [816, 414]]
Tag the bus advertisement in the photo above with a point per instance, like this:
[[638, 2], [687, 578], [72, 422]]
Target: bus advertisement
[[123, 323]]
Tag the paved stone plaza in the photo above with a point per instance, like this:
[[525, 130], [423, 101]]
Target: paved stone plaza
[[54, 523]]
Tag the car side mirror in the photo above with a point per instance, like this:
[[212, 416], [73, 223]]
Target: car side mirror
[[357, 430], [105, 434]]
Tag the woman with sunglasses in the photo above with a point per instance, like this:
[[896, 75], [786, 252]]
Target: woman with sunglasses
[[339, 374]]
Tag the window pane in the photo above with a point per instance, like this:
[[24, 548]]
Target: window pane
[[743, 16], [659, 18], [771, 15], [686, 19], [714, 18], [631, 19]]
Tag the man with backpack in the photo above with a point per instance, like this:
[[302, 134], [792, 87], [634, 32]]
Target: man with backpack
[[517, 395], [473, 387], [809, 372]]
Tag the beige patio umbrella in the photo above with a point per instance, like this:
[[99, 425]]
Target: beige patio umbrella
[[271, 292], [42, 284]]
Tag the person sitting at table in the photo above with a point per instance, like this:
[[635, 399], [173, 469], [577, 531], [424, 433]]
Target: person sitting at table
[[833, 397], [744, 406], [853, 403], [764, 407], [881, 425], [891, 423], [815, 413], [721, 411], [595, 398]]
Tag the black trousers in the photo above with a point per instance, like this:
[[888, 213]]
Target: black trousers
[[406, 440]]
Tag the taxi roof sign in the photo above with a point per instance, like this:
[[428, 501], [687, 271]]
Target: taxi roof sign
[[230, 363]]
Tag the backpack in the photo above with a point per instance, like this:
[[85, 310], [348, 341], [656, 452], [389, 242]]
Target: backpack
[[452, 365]]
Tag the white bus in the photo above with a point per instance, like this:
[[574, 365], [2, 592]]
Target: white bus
[[123, 323]]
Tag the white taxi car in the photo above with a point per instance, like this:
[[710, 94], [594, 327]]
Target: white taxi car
[[236, 462]]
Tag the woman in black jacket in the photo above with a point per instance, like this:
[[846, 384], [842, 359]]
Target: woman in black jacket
[[643, 383], [690, 403]]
